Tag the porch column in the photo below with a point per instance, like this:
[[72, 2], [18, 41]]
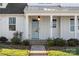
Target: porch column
[[27, 27], [75, 21], [51, 33]]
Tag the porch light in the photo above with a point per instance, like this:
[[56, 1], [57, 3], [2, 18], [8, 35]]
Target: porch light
[[38, 17]]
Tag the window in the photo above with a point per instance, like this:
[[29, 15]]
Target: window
[[72, 25], [12, 23], [78, 24], [54, 23], [0, 4]]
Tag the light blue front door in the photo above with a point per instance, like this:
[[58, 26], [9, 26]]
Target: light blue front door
[[35, 29]]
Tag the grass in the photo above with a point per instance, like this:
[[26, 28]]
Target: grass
[[66, 52], [13, 52], [7, 50], [73, 50], [59, 53]]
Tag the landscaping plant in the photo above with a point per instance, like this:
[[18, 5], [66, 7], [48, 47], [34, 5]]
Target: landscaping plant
[[59, 42], [73, 42], [25, 42], [13, 52], [17, 38], [50, 42], [56, 42], [59, 53], [3, 39]]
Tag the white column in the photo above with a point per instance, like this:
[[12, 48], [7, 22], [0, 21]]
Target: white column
[[51, 31], [60, 25], [26, 27], [75, 26]]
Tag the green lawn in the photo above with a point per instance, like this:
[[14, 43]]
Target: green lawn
[[7, 50], [66, 52], [13, 52]]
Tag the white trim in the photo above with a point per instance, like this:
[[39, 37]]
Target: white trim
[[75, 26], [26, 27], [78, 25], [51, 31], [55, 14], [54, 23], [11, 14], [70, 25], [60, 27]]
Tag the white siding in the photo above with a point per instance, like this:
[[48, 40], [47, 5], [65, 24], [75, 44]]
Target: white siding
[[65, 28], [44, 27], [56, 31], [4, 25], [62, 29]]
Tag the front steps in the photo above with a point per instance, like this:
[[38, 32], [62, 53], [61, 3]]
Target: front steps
[[38, 50], [38, 42], [38, 53]]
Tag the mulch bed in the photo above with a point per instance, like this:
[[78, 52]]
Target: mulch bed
[[60, 48], [4, 45]]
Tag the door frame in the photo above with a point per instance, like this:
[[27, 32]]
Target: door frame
[[38, 28]]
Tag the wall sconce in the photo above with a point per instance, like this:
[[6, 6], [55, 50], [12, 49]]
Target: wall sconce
[[38, 17]]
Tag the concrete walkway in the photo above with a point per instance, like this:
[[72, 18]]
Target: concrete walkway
[[38, 50]]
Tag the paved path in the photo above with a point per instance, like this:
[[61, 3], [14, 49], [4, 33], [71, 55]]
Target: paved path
[[38, 50]]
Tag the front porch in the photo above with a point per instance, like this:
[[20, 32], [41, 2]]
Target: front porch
[[39, 29], [51, 26]]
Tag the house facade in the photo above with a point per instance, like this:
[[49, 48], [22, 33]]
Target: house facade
[[40, 21]]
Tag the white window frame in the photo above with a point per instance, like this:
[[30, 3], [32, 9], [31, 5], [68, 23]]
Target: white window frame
[[12, 24], [72, 25], [54, 23], [78, 24]]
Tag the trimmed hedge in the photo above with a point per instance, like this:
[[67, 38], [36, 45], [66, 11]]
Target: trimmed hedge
[[50, 43], [25, 42], [59, 42], [56, 42], [73, 42], [62, 42]]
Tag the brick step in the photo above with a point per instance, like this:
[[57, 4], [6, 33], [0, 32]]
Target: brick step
[[38, 42]]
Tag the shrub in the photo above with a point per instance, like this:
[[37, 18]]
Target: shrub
[[59, 42], [56, 42], [18, 34], [72, 42], [17, 38], [25, 42], [49, 39], [50, 42], [3, 39]]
